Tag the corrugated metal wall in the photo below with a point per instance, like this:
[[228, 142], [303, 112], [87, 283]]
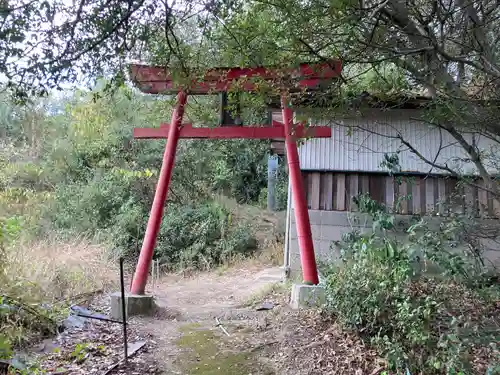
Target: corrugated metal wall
[[359, 144]]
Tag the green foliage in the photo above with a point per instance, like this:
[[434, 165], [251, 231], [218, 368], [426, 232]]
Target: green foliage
[[76, 171], [237, 168], [417, 320], [88, 208], [89, 140], [385, 80], [98, 178], [93, 180], [201, 237], [10, 229], [198, 237], [80, 352], [391, 163]]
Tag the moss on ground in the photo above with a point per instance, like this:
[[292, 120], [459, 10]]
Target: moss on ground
[[205, 355]]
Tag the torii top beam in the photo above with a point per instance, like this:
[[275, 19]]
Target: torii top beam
[[158, 80]]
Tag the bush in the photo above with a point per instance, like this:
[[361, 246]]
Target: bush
[[201, 237], [421, 323], [90, 179], [369, 294], [116, 204], [96, 206], [235, 168]]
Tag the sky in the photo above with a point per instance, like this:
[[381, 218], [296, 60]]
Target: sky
[[59, 19]]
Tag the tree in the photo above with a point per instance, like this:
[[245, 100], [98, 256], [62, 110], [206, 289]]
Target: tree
[[45, 44], [448, 49]]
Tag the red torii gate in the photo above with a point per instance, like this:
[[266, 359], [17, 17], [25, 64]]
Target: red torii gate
[[157, 80]]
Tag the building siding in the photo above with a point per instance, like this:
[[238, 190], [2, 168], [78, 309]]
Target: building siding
[[348, 163], [359, 144], [405, 195]]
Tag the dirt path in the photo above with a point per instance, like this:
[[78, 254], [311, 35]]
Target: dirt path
[[184, 336], [185, 332]]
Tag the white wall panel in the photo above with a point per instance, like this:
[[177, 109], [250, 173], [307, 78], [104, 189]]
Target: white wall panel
[[359, 144]]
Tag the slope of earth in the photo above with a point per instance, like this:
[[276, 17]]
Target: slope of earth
[[267, 226], [208, 325]]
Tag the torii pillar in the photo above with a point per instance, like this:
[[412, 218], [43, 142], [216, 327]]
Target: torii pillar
[[156, 80]]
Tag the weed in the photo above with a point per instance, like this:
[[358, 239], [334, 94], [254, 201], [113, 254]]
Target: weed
[[54, 269], [36, 280], [80, 352], [422, 323]]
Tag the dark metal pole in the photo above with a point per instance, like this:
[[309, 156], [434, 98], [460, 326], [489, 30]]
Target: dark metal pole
[[99, 318], [124, 312]]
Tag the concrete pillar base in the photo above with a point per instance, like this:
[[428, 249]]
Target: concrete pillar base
[[304, 296], [134, 305]]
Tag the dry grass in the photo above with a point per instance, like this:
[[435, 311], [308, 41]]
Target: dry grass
[[268, 229], [52, 269], [272, 254], [277, 291], [312, 345], [266, 225]]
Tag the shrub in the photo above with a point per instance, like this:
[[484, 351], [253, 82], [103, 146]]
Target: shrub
[[417, 323], [95, 206], [198, 237], [369, 294], [201, 237], [94, 180], [116, 204], [421, 323]]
